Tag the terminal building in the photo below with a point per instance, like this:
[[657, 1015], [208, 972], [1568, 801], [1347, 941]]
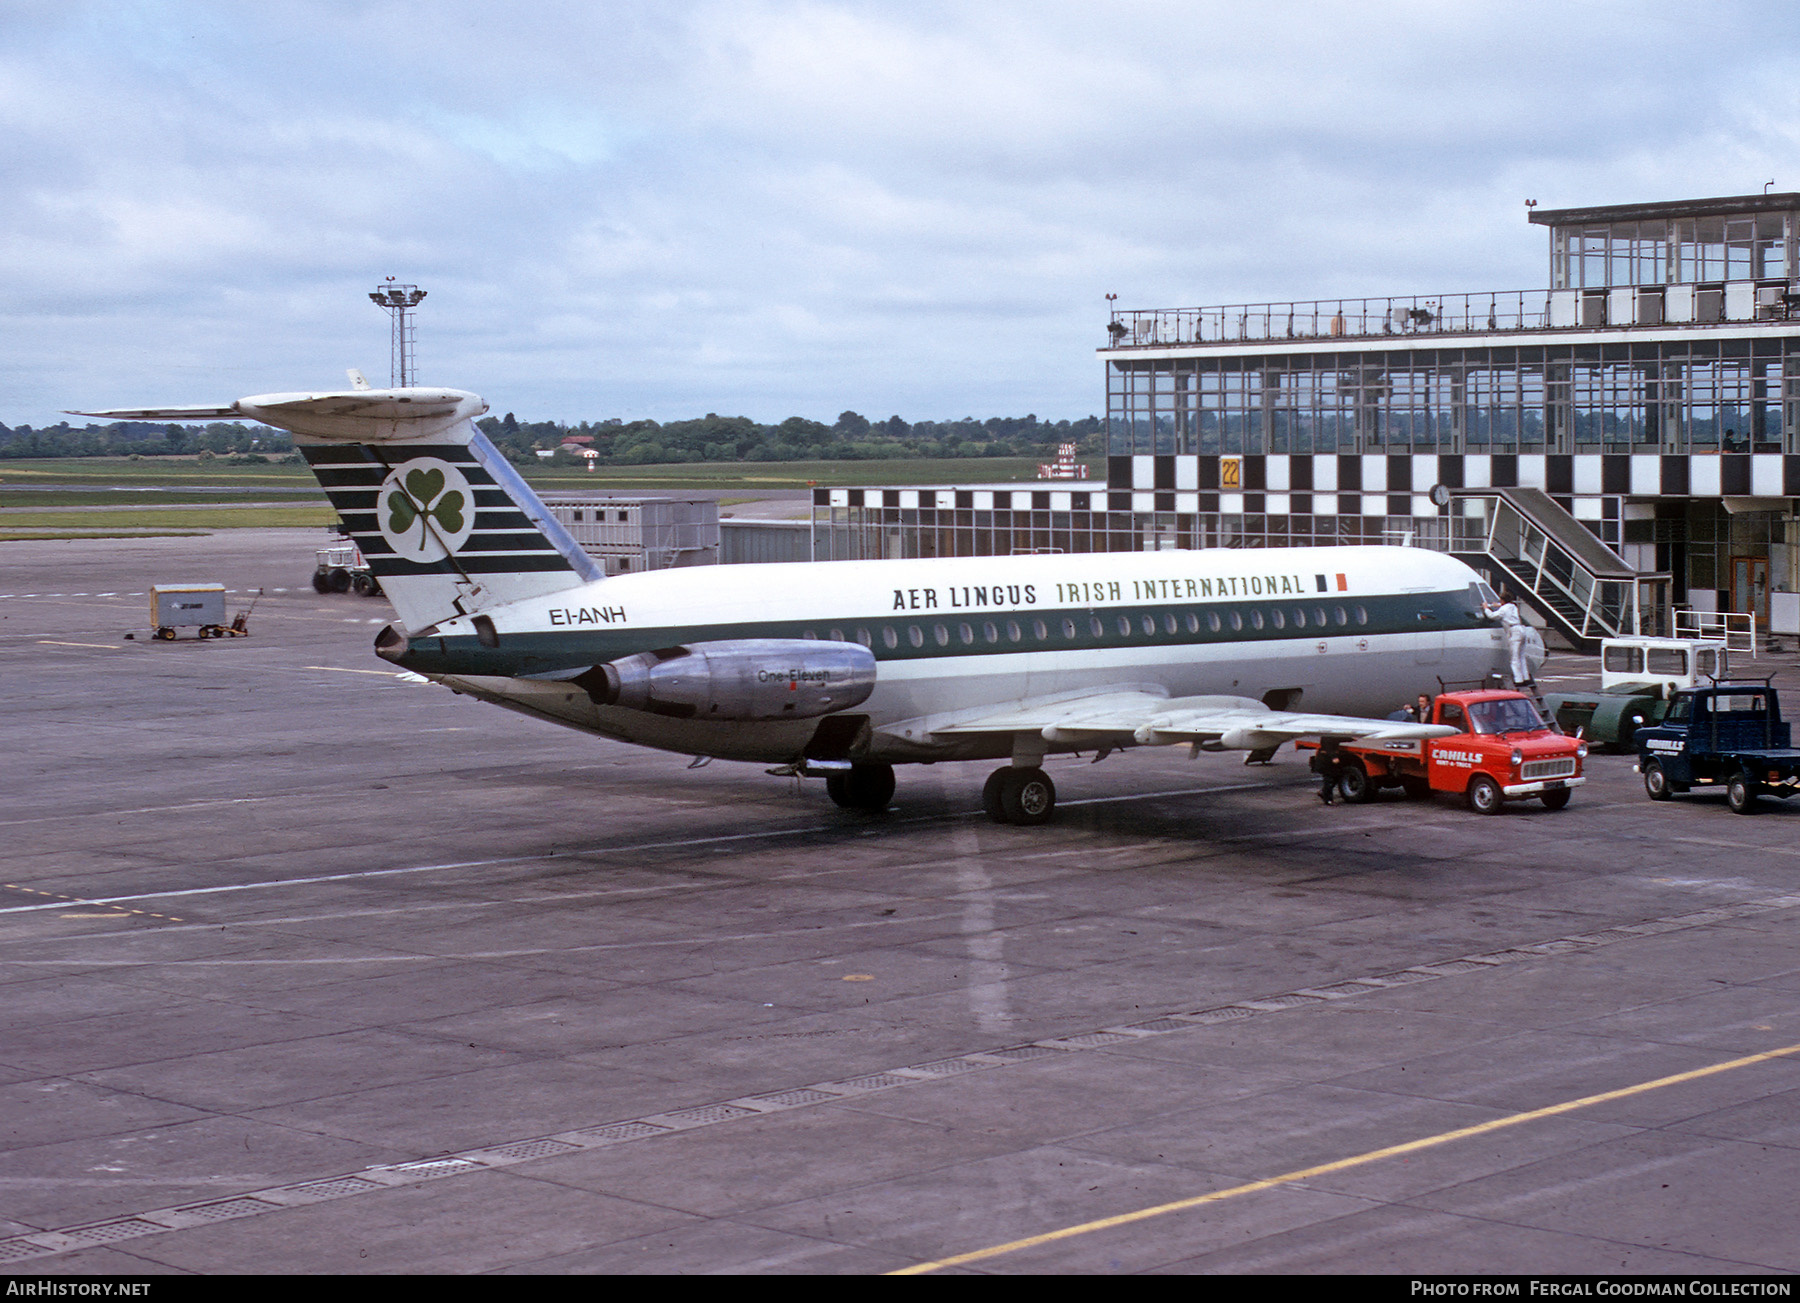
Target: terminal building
[[1619, 446]]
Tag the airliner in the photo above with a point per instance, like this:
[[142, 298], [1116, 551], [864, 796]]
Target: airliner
[[845, 669]]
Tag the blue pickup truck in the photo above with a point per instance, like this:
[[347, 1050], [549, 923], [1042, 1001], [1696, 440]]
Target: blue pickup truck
[[1729, 735]]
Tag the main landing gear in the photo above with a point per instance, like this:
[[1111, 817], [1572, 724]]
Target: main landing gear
[[1018, 794], [865, 787], [1021, 795]]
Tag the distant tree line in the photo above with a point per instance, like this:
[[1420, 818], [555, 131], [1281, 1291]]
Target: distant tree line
[[143, 439], [714, 438], [711, 438]]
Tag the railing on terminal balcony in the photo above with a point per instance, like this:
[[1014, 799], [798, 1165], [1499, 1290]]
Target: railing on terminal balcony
[[1434, 314]]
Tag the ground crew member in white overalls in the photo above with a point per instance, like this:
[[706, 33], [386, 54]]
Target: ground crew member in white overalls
[[1507, 612]]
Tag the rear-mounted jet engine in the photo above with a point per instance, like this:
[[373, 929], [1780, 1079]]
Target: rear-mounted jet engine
[[750, 679]]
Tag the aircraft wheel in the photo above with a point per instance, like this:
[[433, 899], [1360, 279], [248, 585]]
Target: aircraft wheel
[[1740, 794], [1485, 796], [1354, 784], [865, 787], [1027, 796], [321, 581], [1558, 799], [1656, 782], [990, 796]]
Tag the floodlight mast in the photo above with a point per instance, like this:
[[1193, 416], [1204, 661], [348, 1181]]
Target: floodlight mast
[[398, 301]]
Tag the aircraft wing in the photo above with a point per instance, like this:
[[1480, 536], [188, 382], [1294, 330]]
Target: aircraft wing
[[1215, 722]]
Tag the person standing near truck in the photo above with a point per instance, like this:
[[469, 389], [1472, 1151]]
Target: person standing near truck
[[1328, 764], [1507, 612]]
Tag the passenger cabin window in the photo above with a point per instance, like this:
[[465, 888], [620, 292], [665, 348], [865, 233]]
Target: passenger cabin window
[[889, 637]]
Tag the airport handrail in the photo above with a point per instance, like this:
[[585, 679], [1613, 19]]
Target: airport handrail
[[1420, 314]]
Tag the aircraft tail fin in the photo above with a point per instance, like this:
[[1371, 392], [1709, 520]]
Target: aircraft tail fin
[[444, 520]]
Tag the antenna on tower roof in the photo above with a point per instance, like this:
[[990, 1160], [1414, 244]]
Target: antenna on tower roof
[[398, 301]]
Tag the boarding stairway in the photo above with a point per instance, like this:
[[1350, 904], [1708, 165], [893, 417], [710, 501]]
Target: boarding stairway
[[1552, 562]]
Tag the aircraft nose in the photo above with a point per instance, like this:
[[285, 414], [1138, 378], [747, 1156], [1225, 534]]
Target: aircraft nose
[[391, 644]]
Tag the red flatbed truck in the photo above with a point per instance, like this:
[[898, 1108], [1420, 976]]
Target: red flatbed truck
[[1505, 752]]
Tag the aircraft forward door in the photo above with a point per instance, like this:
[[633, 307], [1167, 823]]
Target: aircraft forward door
[[1428, 643]]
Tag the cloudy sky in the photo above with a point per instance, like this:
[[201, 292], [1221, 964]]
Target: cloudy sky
[[664, 209]]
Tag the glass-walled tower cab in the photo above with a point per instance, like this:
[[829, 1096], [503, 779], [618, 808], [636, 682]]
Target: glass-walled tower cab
[[1701, 243]]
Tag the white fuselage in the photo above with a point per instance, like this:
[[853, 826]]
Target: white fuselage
[[1343, 630]]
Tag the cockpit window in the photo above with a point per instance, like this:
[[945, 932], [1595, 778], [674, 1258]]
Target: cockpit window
[[1510, 715]]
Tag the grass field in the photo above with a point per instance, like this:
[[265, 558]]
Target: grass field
[[113, 523], [174, 479]]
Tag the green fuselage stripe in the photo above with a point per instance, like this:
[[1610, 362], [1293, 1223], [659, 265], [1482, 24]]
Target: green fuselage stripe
[[1238, 622]]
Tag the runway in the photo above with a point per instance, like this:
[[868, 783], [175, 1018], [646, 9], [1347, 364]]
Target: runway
[[308, 968]]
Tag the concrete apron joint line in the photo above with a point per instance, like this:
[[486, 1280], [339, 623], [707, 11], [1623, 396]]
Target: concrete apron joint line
[[39, 1244]]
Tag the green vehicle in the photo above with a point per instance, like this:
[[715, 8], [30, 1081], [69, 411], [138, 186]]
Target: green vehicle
[[1638, 676]]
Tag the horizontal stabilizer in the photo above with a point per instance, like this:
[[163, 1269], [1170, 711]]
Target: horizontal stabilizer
[[355, 416], [167, 414]]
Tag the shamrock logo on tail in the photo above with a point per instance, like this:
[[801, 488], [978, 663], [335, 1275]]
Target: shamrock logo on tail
[[420, 497], [425, 510]]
